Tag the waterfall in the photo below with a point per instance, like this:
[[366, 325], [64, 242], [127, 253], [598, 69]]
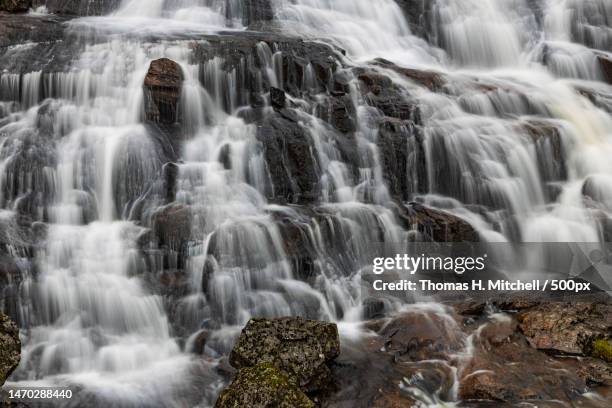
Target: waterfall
[[299, 154]]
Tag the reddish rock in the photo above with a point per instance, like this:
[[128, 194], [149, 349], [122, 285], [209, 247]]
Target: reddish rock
[[437, 225], [566, 327], [163, 86]]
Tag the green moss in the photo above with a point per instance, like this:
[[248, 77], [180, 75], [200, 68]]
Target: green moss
[[262, 385], [602, 349]]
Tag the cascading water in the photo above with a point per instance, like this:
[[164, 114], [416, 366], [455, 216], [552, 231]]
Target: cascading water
[[497, 113]]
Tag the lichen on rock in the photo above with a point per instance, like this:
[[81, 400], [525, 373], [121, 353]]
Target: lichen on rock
[[300, 348], [262, 385], [10, 347]]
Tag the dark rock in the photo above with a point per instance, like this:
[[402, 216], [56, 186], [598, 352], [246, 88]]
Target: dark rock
[[172, 226], [163, 87], [434, 81], [549, 148], [302, 349], [255, 13], [418, 14], [10, 347], [78, 7], [15, 6], [380, 92], [200, 342], [290, 158], [171, 172], [278, 99], [402, 157], [566, 328], [262, 386], [605, 64], [340, 113], [438, 225]]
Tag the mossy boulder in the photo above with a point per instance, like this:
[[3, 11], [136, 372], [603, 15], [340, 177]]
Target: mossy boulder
[[10, 347], [301, 348], [602, 349], [262, 386]]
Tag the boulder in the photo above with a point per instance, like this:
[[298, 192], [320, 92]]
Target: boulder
[[437, 225], [262, 386], [301, 349], [15, 6], [10, 347], [162, 88], [567, 328]]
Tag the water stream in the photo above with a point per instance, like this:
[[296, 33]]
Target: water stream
[[91, 317]]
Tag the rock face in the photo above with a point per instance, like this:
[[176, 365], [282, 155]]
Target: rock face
[[505, 368], [163, 85], [78, 7], [257, 12], [289, 153], [15, 6], [10, 347], [437, 225], [263, 386], [302, 349], [567, 328], [402, 158]]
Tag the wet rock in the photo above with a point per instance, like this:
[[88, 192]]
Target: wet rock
[[256, 13], [380, 92], [10, 347], [567, 328], [422, 335], [402, 157], [549, 148], [262, 386], [170, 172], [505, 368], [78, 7], [278, 99], [243, 58], [172, 227], [301, 349], [290, 158], [163, 85], [15, 6], [418, 15], [605, 64], [434, 81], [437, 225], [340, 113]]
